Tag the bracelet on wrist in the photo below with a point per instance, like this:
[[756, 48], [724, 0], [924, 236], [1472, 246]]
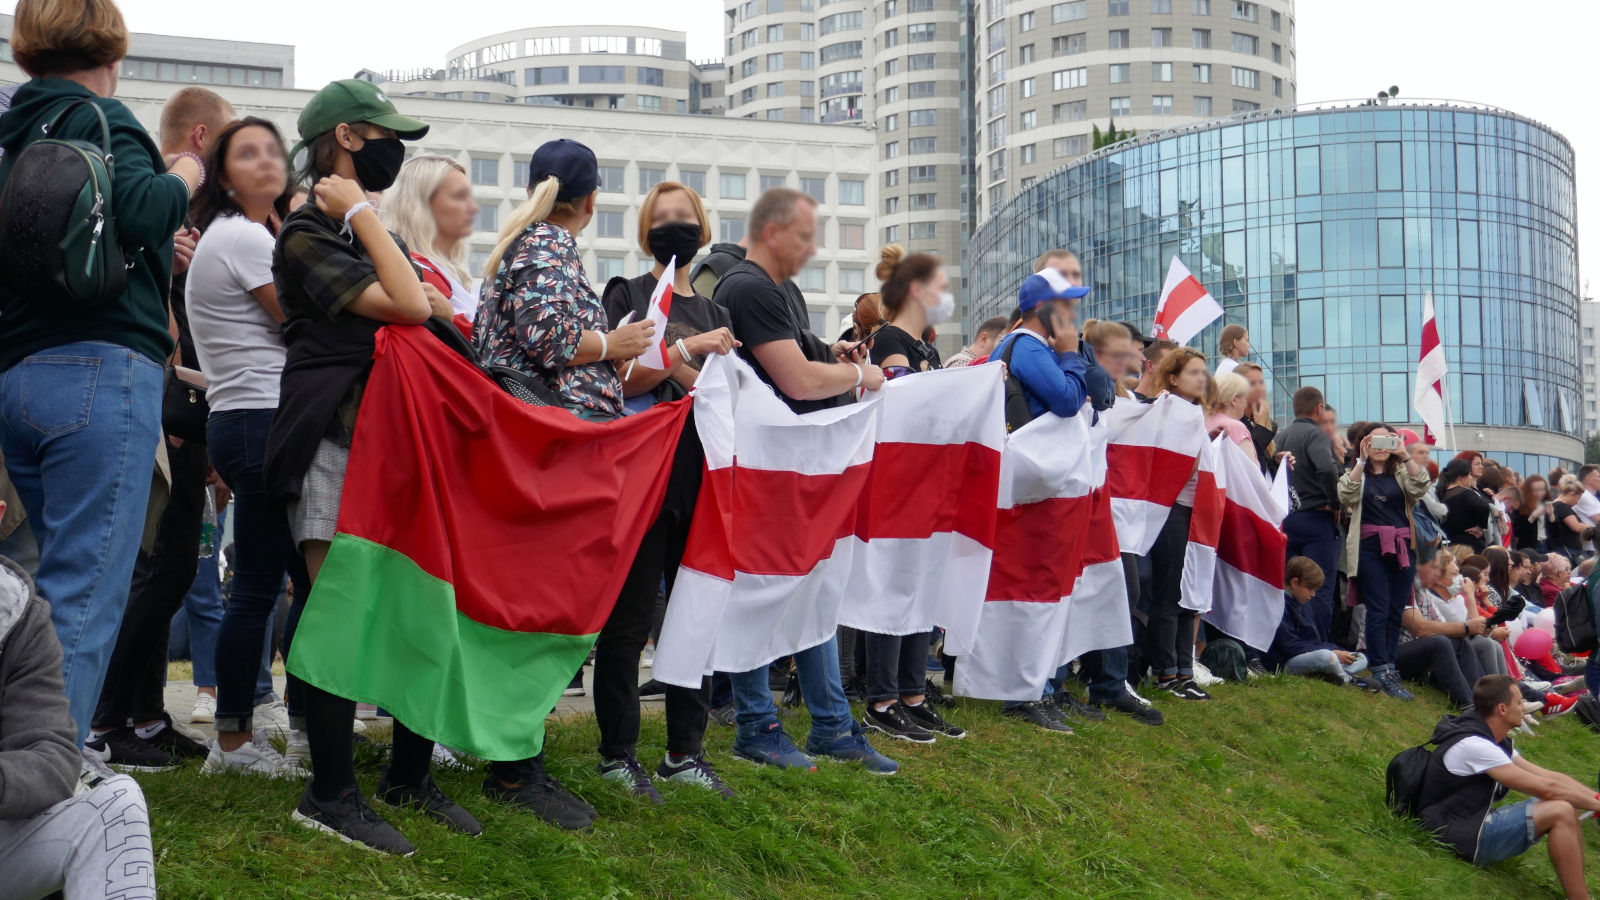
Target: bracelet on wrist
[[604, 347], [861, 375], [352, 211], [682, 350], [189, 154]]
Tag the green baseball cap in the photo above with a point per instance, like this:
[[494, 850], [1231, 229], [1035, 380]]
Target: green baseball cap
[[353, 100]]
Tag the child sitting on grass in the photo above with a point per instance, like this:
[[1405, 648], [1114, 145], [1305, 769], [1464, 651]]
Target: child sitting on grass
[[1296, 647]]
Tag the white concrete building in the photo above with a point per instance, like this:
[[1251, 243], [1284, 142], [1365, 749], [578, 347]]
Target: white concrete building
[[1588, 358]]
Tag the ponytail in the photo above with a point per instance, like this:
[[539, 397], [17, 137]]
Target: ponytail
[[540, 203]]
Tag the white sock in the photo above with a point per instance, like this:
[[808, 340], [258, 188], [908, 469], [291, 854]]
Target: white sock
[[913, 705], [146, 732], [98, 734], [882, 707]]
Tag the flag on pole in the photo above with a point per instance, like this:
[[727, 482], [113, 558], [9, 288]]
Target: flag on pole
[[1248, 598], [1428, 397], [480, 547], [660, 311], [1186, 306], [879, 515], [1152, 450]]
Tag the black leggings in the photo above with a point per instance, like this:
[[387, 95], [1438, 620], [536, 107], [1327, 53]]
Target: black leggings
[[1169, 637], [328, 718]]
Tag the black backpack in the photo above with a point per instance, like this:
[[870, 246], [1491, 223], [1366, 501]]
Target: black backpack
[[1017, 412], [1587, 709], [58, 227], [1408, 770], [1575, 626]]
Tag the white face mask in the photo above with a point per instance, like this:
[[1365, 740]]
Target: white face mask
[[945, 309]]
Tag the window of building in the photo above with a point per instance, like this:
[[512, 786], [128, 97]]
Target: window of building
[[891, 150], [488, 218], [1072, 78], [774, 62], [1245, 106], [921, 118], [1246, 78], [774, 6], [923, 145], [891, 66], [1249, 12], [808, 114], [891, 38], [607, 268], [600, 74], [1027, 154], [997, 100], [1075, 111], [733, 185], [608, 223], [1277, 53], [921, 34], [1202, 106], [813, 279], [997, 194], [808, 60], [1161, 7], [891, 205], [1118, 40], [730, 229], [1307, 170], [1201, 38], [545, 75], [1067, 44], [921, 89], [852, 281], [1277, 21], [845, 21], [1071, 11], [844, 50], [1392, 323], [1391, 244], [1161, 37], [1200, 7], [891, 8], [1161, 71], [924, 231], [1248, 44], [649, 103], [645, 75], [1467, 241], [815, 188], [1025, 22], [694, 179], [1120, 73], [649, 178], [1029, 120], [1116, 7], [852, 237], [611, 179], [1389, 175], [924, 173], [1277, 87], [774, 34], [748, 67], [1025, 54], [891, 178], [774, 89], [485, 171], [922, 5], [1202, 73], [1161, 105], [748, 95], [1064, 147], [1122, 106], [768, 182]]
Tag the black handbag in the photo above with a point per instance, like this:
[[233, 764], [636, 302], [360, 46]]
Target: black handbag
[[184, 409]]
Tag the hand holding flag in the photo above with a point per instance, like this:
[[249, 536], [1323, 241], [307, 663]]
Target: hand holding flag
[[660, 311], [1185, 308]]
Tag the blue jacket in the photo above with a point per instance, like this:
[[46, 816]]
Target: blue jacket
[[1053, 382], [1297, 633]]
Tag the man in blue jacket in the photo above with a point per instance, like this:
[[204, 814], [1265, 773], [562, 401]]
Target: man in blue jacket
[[1043, 350]]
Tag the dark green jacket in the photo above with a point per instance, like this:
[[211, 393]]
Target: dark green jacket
[[149, 205]]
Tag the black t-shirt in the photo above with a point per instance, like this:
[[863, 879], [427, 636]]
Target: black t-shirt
[[762, 312], [1383, 502], [1468, 508], [688, 317], [1564, 540], [894, 341]]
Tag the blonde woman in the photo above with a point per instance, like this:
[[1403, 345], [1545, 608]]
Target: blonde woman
[[431, 208], [539, 314], [1225, 408], [1233, 346]]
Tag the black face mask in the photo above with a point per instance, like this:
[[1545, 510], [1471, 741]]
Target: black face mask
[[378, 162], [680, 239]]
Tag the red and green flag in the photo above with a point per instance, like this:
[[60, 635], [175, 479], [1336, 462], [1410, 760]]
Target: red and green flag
[[481, 545]]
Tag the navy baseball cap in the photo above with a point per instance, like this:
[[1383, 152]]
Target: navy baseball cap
[[1047, 285], [572, 163]]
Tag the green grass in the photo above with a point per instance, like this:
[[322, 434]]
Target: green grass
[[1273, 790]]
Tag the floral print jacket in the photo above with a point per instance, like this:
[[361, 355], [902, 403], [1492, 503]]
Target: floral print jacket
[[534, 313]]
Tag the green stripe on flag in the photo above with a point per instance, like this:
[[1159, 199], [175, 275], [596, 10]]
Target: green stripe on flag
[[378, 629]]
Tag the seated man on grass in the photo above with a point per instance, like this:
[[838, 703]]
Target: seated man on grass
[[1475, 764], [1296, 648]]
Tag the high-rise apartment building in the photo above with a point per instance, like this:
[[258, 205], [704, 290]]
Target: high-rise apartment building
[[1047, 73]]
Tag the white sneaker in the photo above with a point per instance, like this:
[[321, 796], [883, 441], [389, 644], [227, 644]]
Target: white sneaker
[[1537, 685], [272, 719], [358, 727], [253, 758], [446, 758], [205, 709], [95, 768], [1203, 677], [297, 749]]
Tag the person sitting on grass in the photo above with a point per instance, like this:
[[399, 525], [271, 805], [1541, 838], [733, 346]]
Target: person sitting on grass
[[1475, 764], [1296, 648], [89, 837]]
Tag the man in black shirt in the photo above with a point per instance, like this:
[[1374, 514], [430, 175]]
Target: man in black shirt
[[1313, 525], [774, 341]]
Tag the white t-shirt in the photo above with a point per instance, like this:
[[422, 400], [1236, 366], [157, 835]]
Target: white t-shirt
[[1228, 364], [1587, 508], [1475, 756], [463, 299], [240, 347]]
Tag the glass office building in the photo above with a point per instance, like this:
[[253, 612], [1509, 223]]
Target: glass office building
[[1321, 231]]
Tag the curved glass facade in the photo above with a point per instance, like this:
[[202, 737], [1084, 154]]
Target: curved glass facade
[[1321, 231]]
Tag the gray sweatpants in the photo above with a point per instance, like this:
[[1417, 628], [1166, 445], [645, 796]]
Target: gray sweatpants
[[95, 845]]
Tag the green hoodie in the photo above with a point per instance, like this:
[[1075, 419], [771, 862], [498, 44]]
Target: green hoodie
[[149, 206]]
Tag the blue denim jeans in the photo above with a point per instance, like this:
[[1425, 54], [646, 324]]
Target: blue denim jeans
[[195, 627], [1314, 533], [263, 552], [1507, 831], [1324, 662], [1385, 591], [818, 669], [79, 424]]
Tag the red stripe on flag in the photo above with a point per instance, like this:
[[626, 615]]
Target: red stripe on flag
[[1184, 295], [1205, 524], [1038, 550], [1153, 474], [1251, 544], [1100, 542], [917, 490], [1430, 337]]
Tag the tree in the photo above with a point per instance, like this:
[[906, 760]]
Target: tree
[[1591, 449], [1110, 136]]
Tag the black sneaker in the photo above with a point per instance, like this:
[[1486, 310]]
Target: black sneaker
[[349, 818], [1037, 713], [176, 742], [1072, 706], [431, 802], [925, 715], [1052, 710], [1389, 683], [627, 771], [692, 770], [1141, 712], [1255, 667], [895, 723], [725, 715], [575, 688], [936, 694], [1370, 685], [125, 751], [544, 797], [1194, 691], [653, 690], [1183, 689]]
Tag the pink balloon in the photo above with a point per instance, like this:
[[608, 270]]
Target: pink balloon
[[1546, 620], [1534, 643]]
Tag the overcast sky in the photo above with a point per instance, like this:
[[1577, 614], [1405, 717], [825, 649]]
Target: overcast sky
[[1533, 58]]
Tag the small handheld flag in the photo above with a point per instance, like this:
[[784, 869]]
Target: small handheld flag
[[1186, 306]]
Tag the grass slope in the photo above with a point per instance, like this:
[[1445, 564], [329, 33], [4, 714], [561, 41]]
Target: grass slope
[[1273, 790]]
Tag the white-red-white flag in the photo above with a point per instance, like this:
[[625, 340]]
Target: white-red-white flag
[[1428, 397], [1185, 307], [1152, 451], [1205, 528], [879, 515], [660, 311], [1055, 588], [1248, 598]]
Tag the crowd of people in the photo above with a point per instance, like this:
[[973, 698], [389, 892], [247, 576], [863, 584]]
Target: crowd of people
[[261, 288]]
